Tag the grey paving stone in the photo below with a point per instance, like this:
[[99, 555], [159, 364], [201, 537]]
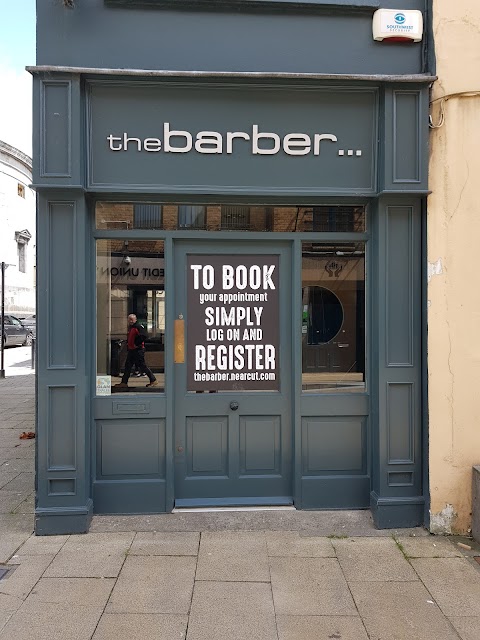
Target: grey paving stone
[[154, 584], [320, 628], [17, 464], [28, 570], [40, 545], [428, 547], [468, 628], [85, 592], [160, 543], [371, 560], [9, 604], [310, 586], [10, 542], [94, 555], [15, 523], [232, 598], [23, 482], [10, 500], [400, 611], [292, 544], [27, 506], [454, 584], [141, 626], [4, 618], [46, 621], [233, 610], [233, 555], [6, 477], [221, 626]]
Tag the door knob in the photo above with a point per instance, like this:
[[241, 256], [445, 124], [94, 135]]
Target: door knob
[[233, 405]]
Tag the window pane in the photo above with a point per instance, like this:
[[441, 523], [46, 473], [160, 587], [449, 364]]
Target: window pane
[[213, 217], [191, 216], [333, 317], [130, 282], [147, 216]]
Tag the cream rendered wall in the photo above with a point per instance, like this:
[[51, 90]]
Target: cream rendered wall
[[453, 270]]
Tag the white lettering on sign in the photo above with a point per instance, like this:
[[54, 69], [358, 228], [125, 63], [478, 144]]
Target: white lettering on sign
[[261, 143]]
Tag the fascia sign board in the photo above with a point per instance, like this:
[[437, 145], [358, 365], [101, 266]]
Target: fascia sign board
[[395, 25]]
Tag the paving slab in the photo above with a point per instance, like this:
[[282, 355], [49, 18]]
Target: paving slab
[[24, 482], [10, 500], [233, 556], [220, 626], [165, 543], [10, 542], [40, 545], [17, 464], [4, 618], [85, 592], [233, 610], [371, 560], [468, 628], [320, 628], [293, 544], [233, 598], [400, 611], [27, 571], [6, 477], [46, 621], [141, 626], [154, 584], [428, 547], [310, 586], [9, 604], [453, 582], [95, 555]]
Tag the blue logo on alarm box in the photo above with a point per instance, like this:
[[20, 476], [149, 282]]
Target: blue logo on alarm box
[[399, 18]]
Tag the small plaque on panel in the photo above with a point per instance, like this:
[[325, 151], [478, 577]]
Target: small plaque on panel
[[104, 385]]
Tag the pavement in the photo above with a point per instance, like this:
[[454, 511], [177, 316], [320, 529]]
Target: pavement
[[225, 575]]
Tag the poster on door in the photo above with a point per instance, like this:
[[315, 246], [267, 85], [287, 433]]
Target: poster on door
[[233, 323]]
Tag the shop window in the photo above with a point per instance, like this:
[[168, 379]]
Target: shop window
[[147, 216], [130, 282], [333, 317], [191, 216]]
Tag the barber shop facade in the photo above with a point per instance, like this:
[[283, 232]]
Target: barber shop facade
[[268, 234]]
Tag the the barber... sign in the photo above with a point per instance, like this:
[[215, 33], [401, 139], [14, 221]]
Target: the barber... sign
[[233, 322]]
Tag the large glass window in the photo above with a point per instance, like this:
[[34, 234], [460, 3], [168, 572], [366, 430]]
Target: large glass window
[[212, 217], [333, 317], [130, 316]]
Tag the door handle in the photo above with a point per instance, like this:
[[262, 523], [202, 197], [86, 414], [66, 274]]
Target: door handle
[[233, 405], [342, 346]]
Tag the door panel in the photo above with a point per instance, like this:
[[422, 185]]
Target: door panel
[[233, 446]]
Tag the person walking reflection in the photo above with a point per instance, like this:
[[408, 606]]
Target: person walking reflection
[[136, 353]]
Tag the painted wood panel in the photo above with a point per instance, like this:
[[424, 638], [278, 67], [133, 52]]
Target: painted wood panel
[[62, 427], [62, 285]]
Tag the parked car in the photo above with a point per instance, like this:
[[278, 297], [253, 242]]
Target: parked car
[[30, 322], [15, 332]]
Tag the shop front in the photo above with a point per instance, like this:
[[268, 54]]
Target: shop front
[[267, 236]]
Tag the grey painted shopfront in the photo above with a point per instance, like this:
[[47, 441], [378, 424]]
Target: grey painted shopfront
[[257, 200]]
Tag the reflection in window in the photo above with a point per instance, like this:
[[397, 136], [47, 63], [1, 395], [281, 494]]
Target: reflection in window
[[191, 216], [214, 217], [235, 218], [130, 280], [147, 216], [333, 317]]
